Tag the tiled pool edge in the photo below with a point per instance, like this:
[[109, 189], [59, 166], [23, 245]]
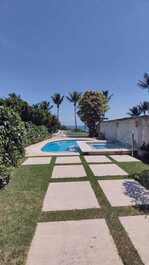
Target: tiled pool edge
[[83, 143]]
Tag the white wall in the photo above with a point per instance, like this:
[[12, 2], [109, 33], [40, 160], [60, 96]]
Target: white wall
[[122, 129]]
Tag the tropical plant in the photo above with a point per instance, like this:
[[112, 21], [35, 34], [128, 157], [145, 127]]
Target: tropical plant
[[134, 111], [35, 133], [144, 107], [74, 98], [145, 82], [4, 176], [108, 97], [57, 100], [92, 107], [12, 135], [43, 105]]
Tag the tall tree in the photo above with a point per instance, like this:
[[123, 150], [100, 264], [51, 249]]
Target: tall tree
[[57, 100], [74, 99], [43, 105], [134, 111], [108, 96], [92, 106], [145, 82], [144, 107]]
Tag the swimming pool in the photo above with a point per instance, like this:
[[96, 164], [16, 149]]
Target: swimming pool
[[61, 146], [107, 146]]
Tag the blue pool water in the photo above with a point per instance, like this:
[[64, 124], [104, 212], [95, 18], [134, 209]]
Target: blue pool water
[[61, 146], [108, 146]]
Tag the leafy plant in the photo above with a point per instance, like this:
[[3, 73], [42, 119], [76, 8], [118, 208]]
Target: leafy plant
[[12, 133], [35, 133], [92, 107], [4, 176], [143, 178]]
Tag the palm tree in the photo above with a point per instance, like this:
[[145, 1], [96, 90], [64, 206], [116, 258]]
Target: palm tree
[[134, 111], [74, 98], [45, 105], [145, 82], [144, 107], [106, 94], [57, 100], [108, 97]]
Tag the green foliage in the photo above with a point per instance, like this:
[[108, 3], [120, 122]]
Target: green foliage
[[145, 82], [12, 132], [35, 133], [143, 178], [38, 114], [92, 107], [4, 175], [144, 107], [57, 100], [134, 111]]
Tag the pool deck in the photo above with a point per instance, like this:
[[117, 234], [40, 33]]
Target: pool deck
[[83, 143]]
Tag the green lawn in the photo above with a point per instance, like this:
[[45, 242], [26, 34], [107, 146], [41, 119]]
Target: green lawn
[[72, 133], [20, 207], [20, 210]]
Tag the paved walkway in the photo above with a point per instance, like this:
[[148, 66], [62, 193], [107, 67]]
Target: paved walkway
[[82, 203]]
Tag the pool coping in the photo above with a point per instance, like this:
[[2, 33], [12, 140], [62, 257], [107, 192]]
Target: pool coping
[[35, 149], [83, 143], [86, 148]]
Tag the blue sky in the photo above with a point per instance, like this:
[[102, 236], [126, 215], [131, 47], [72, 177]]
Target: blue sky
[[59, 46]]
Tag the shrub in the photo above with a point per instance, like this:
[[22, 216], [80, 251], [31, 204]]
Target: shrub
[[12, 133], [143, 178], [145, 147], [4, 176], [35, 133]]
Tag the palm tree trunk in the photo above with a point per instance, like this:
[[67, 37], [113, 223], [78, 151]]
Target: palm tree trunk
[[75, 117], [58, 113]]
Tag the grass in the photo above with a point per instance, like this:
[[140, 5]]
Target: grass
[[73, 133], [20, 210], [20, 207]]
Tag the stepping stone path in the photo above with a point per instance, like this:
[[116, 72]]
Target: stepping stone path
[[89, 242], [97, 159], [137, 228], [107, 170], [125, 192], [124, 158], [69, 196], [68, 160], [83, 242], [37, 161], [68, 171]]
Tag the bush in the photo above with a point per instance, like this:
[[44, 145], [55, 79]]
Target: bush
[[12, 132], [145, 147], [143, 178], [4, 176], [91, 110], [35, 133]]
